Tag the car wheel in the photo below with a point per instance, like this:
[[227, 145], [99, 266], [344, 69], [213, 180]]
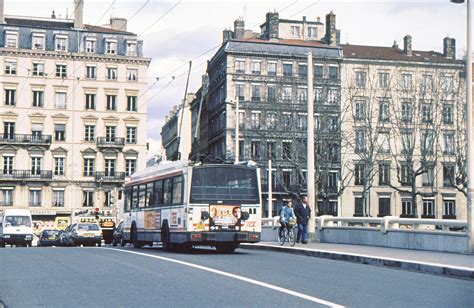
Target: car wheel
[[134, 238], [100, 244], [165, 236]]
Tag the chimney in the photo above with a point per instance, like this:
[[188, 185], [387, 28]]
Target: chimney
[[449, 48], [53, 15], [2, 11], [395, 45], [119, 24], [273, 21], [407, 45], [239, 28], [227, 35], [78, 14], [331, 33]]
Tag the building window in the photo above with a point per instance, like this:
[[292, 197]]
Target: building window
[[58, 198], [272, 68], [360, 112], [302, 70], [272, 93], [10, 67], [271, 120], [407, 112], [271, 150], [426, 113], [407, 142], [60, 132], [384, 111], [88, 199], [384, 173], [11, 39], [448, 143], [10, 97], [130, 166], [61, 43], [111, 73], [427, 178], [8, 165], [38, 69], [90, 45], [302, 122], [384, 80], [449, 209], [242, 119], [131, 135], [448, 114], [427, 143], [448, 175], [111, 99], [286, 150], [35, 198], [405, 174], [359, 174], [240, 89], [110, 167], [255, 120], [428, 208], [110, 134], [302, 95], [406, 81], [295, 31], [333, 72], [60, 100], [447, 84], [61, 70], [132, 74], [59, 165], [312, 32], [426, 83], [318, 71], [90, 72], [89, 133], [110, 47], [256, 67], [242, 149], [360, 141], [333, 96], [36, 166], [90, 101], [358, 207], [287, 178], [8, 130], [131, 103], [7, 197], [255, 93], [384, 206], [407, 208], [255, 149], [89, 166], [240, 66], [287, 121], [131, 48], [361, 79], [287, 69], [287, 93]]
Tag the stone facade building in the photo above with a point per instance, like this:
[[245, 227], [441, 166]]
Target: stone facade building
[[74, 114]]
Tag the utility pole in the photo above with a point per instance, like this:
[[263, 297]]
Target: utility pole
[[237, 120], [310, 141], [270, 183]]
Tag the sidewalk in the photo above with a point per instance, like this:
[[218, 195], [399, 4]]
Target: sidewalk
[[439, 263]]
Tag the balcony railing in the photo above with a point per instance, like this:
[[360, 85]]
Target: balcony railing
[[101, 176], [26, 139], [18, 175], [105, 142]]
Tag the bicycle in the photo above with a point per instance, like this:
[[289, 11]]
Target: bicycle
[[288, 234]]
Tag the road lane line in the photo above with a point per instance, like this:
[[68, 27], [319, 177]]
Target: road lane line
[[249, 280]]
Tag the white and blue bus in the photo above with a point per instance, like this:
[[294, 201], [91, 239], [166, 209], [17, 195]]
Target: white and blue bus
[[183, 204]]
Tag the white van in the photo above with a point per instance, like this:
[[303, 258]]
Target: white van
[[16, 227]]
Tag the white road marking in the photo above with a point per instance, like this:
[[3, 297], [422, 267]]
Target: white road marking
[[249, 280]]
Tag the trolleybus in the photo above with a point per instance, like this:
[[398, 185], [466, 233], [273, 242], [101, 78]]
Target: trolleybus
[[184, 204]]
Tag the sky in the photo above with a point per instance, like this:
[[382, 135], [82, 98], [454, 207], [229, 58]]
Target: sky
[[178, 31]]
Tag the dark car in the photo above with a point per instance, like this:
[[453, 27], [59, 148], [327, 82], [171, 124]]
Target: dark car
[[49, 238], [118, 236]]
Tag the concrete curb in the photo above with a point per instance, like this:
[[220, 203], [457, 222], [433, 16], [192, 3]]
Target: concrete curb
[[408, 265]]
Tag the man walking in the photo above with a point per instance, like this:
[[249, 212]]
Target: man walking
[[303, 215]]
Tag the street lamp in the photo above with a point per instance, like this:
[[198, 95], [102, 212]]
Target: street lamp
[[470, 165]]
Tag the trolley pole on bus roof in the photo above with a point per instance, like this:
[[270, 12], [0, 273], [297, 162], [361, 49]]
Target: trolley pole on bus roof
[[310, 175]]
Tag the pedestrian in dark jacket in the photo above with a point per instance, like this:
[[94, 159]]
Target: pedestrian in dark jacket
[[303, 215]]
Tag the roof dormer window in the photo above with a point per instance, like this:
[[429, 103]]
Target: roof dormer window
[[61, 43], [131, 48], [11, 39], [90, 45], [295, 31], [111, 47], [38, 41]]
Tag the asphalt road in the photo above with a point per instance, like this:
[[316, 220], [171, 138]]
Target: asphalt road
[[95, 276]]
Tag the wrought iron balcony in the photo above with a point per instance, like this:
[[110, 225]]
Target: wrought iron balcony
[[102, 177], [21, 139], [26, 175], [106, 142]]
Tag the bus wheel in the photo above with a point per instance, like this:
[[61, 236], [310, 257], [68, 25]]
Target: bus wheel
[[134, 237], [226, 248], [165, 236]]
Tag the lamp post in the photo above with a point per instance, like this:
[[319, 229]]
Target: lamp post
[[470, 165]]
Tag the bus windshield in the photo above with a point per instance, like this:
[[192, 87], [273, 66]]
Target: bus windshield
[[229, 184]]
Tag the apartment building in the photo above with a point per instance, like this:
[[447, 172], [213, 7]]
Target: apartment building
[[74, 113]]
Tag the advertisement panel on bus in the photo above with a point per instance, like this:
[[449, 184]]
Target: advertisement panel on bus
[[224, 217]]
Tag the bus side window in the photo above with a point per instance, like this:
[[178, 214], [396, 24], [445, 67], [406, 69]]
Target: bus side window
[[177, 190], [135, 197], [149, 195], [128, 199], [141, 202], [167, 191], [158, 193]]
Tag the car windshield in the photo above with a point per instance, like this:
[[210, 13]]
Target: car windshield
[[17, 221], [88, 227]]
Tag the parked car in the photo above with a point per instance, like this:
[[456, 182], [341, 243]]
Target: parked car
[[118, 236], [49, 238], [63, 236], [85, 234]]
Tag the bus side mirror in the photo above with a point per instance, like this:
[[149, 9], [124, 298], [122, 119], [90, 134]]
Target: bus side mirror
[[245, 215], [204, 215]]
